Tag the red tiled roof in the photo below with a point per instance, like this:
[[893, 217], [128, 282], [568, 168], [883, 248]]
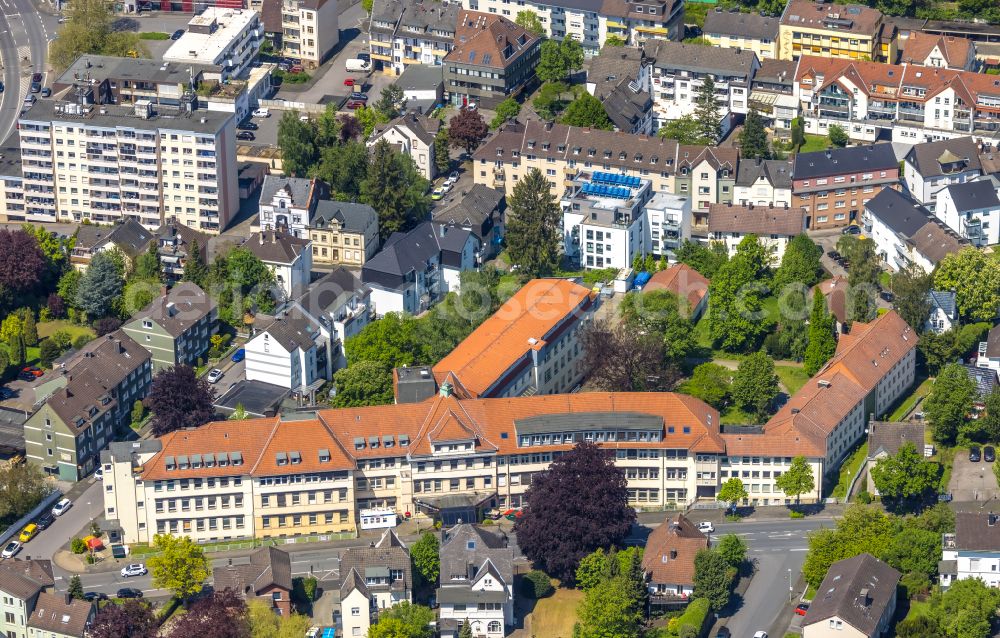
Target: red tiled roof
[[919, 45], [678, 535], [682, 280]]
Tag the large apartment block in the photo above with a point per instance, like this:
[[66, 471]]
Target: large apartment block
[[226, 38], [853, 32], [604, 220], [405, 32], [310, 30], [103, 164]]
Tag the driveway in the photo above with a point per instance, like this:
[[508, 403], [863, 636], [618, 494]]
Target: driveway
[[87, 507], [972, 482]]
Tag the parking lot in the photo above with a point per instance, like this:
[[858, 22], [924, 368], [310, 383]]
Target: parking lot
[[972, 481]]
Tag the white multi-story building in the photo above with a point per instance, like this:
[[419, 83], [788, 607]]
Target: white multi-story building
[[310, 30], [679, 71], [405, 32], [287, 204], [774, 226], [972, 210], [905, 233], [763, 183], [150, 164], [668, 224], [604, 219], [340, 305], [414, 135], [772, 94], [227, 38], [932, 166], [989, 351], [973, 551], [288, 351], [477, 582], [289, 258]]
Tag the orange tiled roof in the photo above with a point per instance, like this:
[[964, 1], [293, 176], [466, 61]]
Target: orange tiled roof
[[679, 535], [537, 309], [682, 280], [919, 45]]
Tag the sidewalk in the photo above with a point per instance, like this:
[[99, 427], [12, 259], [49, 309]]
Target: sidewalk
[[759, 513]]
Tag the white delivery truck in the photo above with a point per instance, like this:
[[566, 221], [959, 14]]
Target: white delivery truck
[[354, 64]]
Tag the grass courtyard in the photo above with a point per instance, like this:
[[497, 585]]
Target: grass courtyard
[[48, 328], [554, 617]]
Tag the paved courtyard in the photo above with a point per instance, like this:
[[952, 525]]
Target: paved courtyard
[[972, 482]]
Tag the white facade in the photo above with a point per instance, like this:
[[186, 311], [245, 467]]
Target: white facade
[[409, 135], [926, 189], [294, 276], [989, 357], [282, 212], [272, 359], [891, 247], [980, 225], [311, 30], [668, 224], [487, 619], [939, 321], [14, 613], [227, 38], [355, 614], [775, 243], [604, 223]]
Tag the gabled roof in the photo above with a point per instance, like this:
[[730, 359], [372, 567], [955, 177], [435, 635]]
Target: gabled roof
[[702, 59], [275, 247], [465, 549], [290, 329], [471, 208], [351, 217], [718, 157], [60, 614], [985, 379], [973, 195], [425, 128], [670, 551], [129, 236], [23, 579], [743, 25], [919, 45], [182, 307], [404, 252], [682, 280], [388, 554], [269, 567], [889, 438], [993, 342], [934, 159], [486, 39], [354, 581], [759, 220], [839, 161], [856, 590], [899, 211], [607, 69], [330, 292], [302, 192], [835, 290], [977, 531], [944, 300], [850, 18], [778, 173]]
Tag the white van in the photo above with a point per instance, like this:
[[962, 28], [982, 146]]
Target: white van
[[354, 64]]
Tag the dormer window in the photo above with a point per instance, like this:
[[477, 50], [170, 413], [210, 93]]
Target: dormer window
[[147, 324]]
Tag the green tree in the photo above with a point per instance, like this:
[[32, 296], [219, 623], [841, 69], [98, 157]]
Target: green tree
[[147, 264], [905, 479], [705, 259], [195, 270], [551, 67], [529, 20], [919, 626], [733, 548], [587, 111], [949, 402], [48, 352], [975, 276], [393, 188], [822, 345], [863, 276], [533, 225], [800, 264], [753, 137], [990, 420], [706, 112], [755, 385], [391, 102], [426, 561], [506, 110], [910, 288], [661, 313], [404, 620], [296, 139], [732, 491], [29, 330], [180, 565], [368, 118], [862, 529], [11, 327], [614, 41], [466, 630], [838, 136], [138, 411], [609, 610], [938, 350], [714, 578], [75, 587], [735, 310], [709, 382], [364, 383], [442, 151], [100, 286], [798, 133], [264, 623], [16, 351], [90, 28], [549, 99], [966, 609], [572, 54], [797, 480], [685, 130], [914, 550]]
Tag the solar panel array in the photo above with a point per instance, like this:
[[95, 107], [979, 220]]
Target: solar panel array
[[613, 179], [603, 190]]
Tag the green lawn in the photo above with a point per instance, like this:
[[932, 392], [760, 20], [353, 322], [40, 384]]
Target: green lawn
[[153, 35], [907, 404], [849, 468], [736, 416], [48, 328], [815, 143], [918, 608], [792, 377], [554, 617]]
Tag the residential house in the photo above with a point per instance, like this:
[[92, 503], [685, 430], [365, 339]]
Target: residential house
[[734, 29], [479, 209], [343, 233], [226, 38], [385, 573], [287, 204], [128, 237], [493, 59], [836, 291], [857, 599], [986, 382], [905, 232], [973, 551], [289, 258], [851, 32], [690, 286], [266, 578], [833, 186], [21, 583], [620, 78], [945, 52], [885, 439], [679, 70], [603, 219], [357, 613], [531, 345], [59, 615], [405, 32], [972, 210], [476, 583], [176, 242], [669, 560], [763, 182], [423, 87], [774, 226], [932, 166], [989, 351], [413, 135], [668, 224], [943, 314], [340, 304], [410, 273], [310, 30], [86, 405], [772, 93], [177, 327], [706, 174], [288, 351]]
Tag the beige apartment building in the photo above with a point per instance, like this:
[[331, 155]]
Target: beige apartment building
[[310, 29], [852, 31]]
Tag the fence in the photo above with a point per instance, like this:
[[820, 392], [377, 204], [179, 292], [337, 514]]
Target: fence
[[285, 105], [251, 543], [30, 516]]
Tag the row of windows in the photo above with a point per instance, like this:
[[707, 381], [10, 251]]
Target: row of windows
[[295, 520]]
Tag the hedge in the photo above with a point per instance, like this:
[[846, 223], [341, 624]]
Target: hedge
[[694, 616], [537, 584]]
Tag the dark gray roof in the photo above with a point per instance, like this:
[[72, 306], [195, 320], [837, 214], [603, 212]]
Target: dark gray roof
[[467, 545], [122, 450], [404, 252], [425, 128], [101, 67], [977, 531], [329, 292], [901, 213], [353, 580], [10, 156], [268, 567], [420, 77], [579, 421], [257, 398], [451, 239], [129, 236], [275, 247], [300, 189], [57, 613], [746, 25], [351, 217], [837, 161], [888, 438], [164, 118], [414, 383], [420, 19], [777, 172], [776, 72], [985, 379], [945, 300], [934, 159], [460, 594], [289, 330], [389, 553], [973, 195], [611, 66], [857, 591], [625, 107], [701, 59], [182, 307], [471, 208]]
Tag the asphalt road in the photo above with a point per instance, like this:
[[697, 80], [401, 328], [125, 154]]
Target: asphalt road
[[23, 34]]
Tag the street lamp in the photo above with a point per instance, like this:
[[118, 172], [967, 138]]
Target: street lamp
[[789, 584]]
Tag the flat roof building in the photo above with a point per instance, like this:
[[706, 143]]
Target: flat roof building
[[226, 38]]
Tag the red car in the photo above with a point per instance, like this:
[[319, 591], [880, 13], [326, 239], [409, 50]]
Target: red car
[[349, 82], [33, 371], [296, 68], [802, 609], [355, 104]]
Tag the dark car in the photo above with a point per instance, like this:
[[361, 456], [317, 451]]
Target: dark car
[[989, 454], [46, 91], [129, 592], [359, 96], [723, 632], [36, 77], [833, 254], [44, 520], [1, 87], [974, 455], [176, 35], [246, 135], [853, 229], [94, 596], [248, 126], [802, 609], [355, 104], [945, 498], [886, 295]]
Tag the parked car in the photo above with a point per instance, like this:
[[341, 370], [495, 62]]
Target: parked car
[[36, 77], [974, 455], [706, 527], [945, 498], [176, 35], [6, 393], [132, 592], [887, 296], [760, 634], [723, 632], [355, 104], [214, 375], [296, 68], [262, 112], [453, 178], [134, 569], [1, 87], [350, 82], [62, 507], [248, 125], [833, 254], [438, 193], [239, 355], [33, 371], [30, 531], [989, 454], [94, 596], [247, 136], [46, 91], [99, 474], [853, 229], [802, 609], [44, 520], [12, 548], [356, 95]]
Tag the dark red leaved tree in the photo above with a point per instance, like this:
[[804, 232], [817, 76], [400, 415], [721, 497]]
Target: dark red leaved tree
[[131, 619], [21, 260], [179, 399], [467, 129], [220, 615]]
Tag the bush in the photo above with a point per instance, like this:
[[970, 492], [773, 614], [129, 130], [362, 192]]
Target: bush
[[537, 584], [796, 514], [78, 546], [90, 559], [81, 340], [734, 518], [153, 35], [864, 497], [915, 584], [694, 617], [304, 590]]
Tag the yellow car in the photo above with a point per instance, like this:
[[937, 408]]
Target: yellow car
[[28, 532]]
